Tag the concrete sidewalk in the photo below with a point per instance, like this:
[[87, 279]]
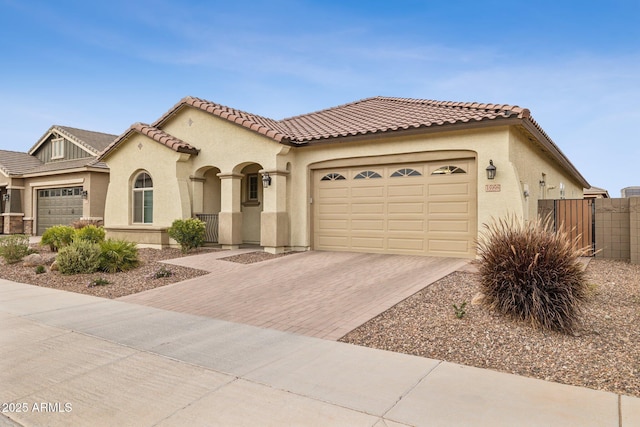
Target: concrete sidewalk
[[74, 360]]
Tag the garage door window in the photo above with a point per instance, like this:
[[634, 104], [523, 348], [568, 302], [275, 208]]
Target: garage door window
[[332, 177], [367, 175], [143, 199], [405, 172], [448, 170]]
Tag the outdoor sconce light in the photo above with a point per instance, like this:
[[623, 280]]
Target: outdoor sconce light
[[491, 170], [85, 194], [6, 197], [266, 180], [542, 183]]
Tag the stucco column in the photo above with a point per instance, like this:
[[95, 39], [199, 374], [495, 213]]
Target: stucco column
[[197, 191], [274, 219], [230, 216]]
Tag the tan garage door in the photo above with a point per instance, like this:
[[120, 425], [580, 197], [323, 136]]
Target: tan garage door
[[417, 209]]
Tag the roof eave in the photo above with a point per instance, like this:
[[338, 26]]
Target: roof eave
[[434, 128], [554, 150]]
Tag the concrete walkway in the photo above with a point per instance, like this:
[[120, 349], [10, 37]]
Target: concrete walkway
[[318, 294], [75, 360]]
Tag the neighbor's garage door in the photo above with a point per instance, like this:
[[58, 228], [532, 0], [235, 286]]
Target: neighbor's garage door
[[58, 206], [417, 209]]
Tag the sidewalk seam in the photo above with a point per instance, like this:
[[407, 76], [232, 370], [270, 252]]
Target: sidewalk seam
[[411, 389]]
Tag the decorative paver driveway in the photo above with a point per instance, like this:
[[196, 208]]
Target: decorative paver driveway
[[320, 294]]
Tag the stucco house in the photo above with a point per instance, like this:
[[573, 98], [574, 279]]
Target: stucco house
[[387, 175], [59, 180]]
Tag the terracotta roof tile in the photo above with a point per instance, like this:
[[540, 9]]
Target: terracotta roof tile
[[368, 116], [263, 125], [384, 114], [154, 133], [164, 138]]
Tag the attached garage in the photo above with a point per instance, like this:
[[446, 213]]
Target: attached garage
[[427, 208], [58, 206]]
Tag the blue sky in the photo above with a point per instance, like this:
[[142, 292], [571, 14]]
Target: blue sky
[[105, 65]]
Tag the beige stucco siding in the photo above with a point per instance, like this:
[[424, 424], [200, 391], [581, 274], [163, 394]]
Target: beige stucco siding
[[222, 144], [482, 144], [529, 163], [169, 173]]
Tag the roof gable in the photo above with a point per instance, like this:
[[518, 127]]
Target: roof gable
[[91, 142], [155, 134]]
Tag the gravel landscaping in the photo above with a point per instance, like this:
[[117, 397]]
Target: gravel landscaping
[[603, 355], [120, 284]]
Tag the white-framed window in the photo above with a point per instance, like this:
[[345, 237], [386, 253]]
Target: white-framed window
[[143, 199], [57, 148]]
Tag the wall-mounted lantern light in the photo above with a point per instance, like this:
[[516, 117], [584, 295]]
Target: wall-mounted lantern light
[[266, 180], [6, 197], [491, 170], [543, 181], [85, 194]]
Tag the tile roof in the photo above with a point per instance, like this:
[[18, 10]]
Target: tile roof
[[16, 163], [374, 116], [66, 165], [263, 125], [157, 135], [93, 142], [385, 114]]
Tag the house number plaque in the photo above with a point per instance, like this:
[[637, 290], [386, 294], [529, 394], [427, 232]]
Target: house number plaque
[[492, 188]]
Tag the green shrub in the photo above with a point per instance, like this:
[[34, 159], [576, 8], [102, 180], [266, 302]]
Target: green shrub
[[189, 233], [90, 233], [100, 281], [57, 236], [14, 247], [40, 269], [118, 255], [81, 223], [80, 256], [531, 273], [162, 272]]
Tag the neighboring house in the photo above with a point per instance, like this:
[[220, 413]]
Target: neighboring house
[[596, 193], [57, 182], [387, 175], [632, 191]]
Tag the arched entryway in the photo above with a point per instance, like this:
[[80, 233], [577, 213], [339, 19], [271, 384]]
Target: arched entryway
[[252, 203], [207, 200]]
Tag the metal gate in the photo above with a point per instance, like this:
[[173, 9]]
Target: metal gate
[[211, 227], [576, 217]]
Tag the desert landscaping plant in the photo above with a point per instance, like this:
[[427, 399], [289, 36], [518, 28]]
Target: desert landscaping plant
[[57, 237], [99, 281], [459, 310], [162, 272], [14, 247], [118, 255], [80, 256], [532, 273], [189, 233], [40, 269], [90, 233]]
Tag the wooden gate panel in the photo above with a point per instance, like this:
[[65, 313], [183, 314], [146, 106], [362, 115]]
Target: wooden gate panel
[[575, 217]]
